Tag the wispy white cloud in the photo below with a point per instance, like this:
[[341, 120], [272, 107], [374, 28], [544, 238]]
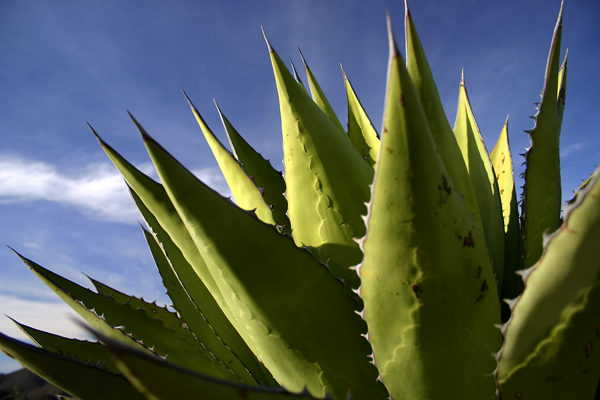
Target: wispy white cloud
[[98, 191], [572, 148], [50, 316]]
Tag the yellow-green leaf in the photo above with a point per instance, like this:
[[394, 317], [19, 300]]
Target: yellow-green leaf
[[552, 338], [422, 77], [483, 179], [247, 195], [361, 132], [318, 345], [319, 96], [427, 284], [542, 191], [503, 166], [327, 179], [82, 380]]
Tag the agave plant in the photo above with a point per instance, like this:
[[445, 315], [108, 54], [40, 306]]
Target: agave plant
[[375, 269]]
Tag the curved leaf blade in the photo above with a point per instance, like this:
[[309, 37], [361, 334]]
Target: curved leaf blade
[[550, 340], [134, 324], [93, 353], [247, 195], [319, 96], [184, 255], [68, 374], [542, 191], [193, 317], [318, 346], [361, 132], [327, 180], [297, 77], [427, 283], [483, 179], [263, 174], [422, 77], [161, 380], [503, 166]]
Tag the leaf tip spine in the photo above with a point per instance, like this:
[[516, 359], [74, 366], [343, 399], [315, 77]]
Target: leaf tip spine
[[394, 52], [271, 50], [188, 100], [343, 72], [102, 143], [302, 58], [139, 127]]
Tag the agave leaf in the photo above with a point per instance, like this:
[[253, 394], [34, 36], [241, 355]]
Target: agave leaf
[[542, 190], [263, 174], [82, 380], [501, 159], [562, 89], [483, 178], [319, 96], [156, 200], [161, 380], [427, 283], [552, 336], [318, 345], [181, 283], [247, 195], [421, 76], [124, 321], [327, 180], [503, 166], [193, 318], [72, 294], [173, 323], [297, 77], [184, 255], [361, 132], [583, 185], [92, 353]]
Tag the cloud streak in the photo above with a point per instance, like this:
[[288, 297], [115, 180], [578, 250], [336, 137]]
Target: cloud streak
[[572, 148], [98, 191]]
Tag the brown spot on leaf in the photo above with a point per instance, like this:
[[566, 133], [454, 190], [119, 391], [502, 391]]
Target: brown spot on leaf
[[479, 270], [241, 393], [416, 290], [445, 190], [402, 100], [585, 371], [468, 241], [445, 186], [484, 286], [587, 349], [518, 395], [482, 290]]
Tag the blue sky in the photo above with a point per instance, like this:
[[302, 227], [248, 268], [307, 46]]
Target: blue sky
[[65, 63]]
